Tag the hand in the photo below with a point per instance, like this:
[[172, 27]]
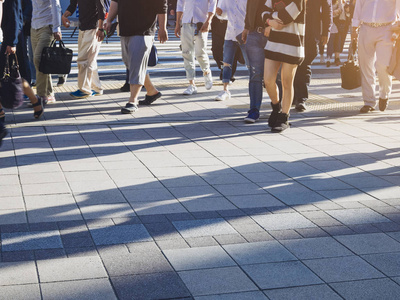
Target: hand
[[245, 33], [324, 40], [172, 12], [276, 24], [65, 21], [218, 11], [205, 27], [107, 27], [178, 30], [57, 36], [267, 31], [11, 50], [162, 35], [354, 33], [100, 35]]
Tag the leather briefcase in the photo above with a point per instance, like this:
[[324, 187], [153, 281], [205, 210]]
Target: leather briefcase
[[56, 60]]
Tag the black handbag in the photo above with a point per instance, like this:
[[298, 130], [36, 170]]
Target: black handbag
[[11, 90], [56, 60], [350, 71], [153, 58]]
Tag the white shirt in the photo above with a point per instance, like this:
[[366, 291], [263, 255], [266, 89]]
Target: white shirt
[[236, 12], [45, 13], [375, 11], [195, 11]]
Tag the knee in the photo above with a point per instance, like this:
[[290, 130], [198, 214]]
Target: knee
[[381, 69], [226, 65]]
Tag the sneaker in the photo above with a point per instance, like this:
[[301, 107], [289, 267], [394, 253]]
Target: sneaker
[[300, 106], [150, 99], [78, 94], [192, 89], [337, 62], [61, 80], [49, 99], [252, 116], [129, 108], [224, 95], [208, 81], [383, 104], [322, 59], [328, 63], [125, 88], [97, 93], [366, 109]]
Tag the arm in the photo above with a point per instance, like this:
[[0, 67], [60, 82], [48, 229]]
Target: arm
[[10, 36], [112, 13], [289, 13], [327, 20], [56, 15], [212, 6], [101, 11], [356, 20], [70, 10], [180, 5], [162, 31]]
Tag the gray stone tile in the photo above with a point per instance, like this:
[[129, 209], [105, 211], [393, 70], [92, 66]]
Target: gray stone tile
[[239, 189], [117, 210], [150, 286], [63, 269], [206, 227], [18, 273], [369, 243], [377, 289], [172, 244], [22, 292], [338, 230], [50, 253], [12, 216], [158, 207], [122, 234], [283, 221], [162, 230], [31, 240], [287, 234], [251, 201], [17, 256], [99, 289], [202, 241], [322, 247], [357, 216], [119, 264], [261, 236], [312, 292], [217, 281], [207, 204], [259, 252], [311, 232], [339, 269], [387, 263], [99, 197], [199, 258], [395, 235], [281, 274], [235, 296], [228, 239], [54, 213]]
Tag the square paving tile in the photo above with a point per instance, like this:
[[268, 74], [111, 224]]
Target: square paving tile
[[99, 289], [342, 269], [118, 210], [199, 258], [26, 292], [63, 269], [377, 289], [283, 221], [207, 204], [17, 241], [121, 234], [150, 286], [312, 292], [251, 201], [217, 281], [260, 252], [281, 274], [357, 216], [387, 263], [158, 207], [18, 273], [321, 247], [235, 296], [369, 243], [206, 227]]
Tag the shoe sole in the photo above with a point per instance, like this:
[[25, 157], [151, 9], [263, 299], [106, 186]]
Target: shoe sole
[[126, 111], [79, 97], [249, 121], [187, 94]]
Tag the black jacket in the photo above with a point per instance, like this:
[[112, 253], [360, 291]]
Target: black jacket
[[318, 18], [90, 11], [12, 22]]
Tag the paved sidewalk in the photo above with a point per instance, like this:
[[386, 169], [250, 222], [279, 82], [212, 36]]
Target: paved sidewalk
[[182, 200]]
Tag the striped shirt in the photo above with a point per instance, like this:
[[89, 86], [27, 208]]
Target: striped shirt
[[287, 44]]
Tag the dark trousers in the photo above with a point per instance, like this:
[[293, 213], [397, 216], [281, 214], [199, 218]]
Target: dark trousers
[[303, 74]]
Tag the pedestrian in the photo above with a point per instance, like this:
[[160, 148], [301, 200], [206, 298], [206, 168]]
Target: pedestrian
[[195, 16], [91, 34], [317, 31], [338, 32], [137, 27], [372, 24], [285, 50], [236, 12]]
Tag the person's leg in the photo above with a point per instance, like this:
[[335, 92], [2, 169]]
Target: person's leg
[[271, 68], [22, 54], [31, 64], [366, 55], [93, 73], [201, 52], [229, 55], [330, 49], [288, 72], [37, 102], [218, 29], [84, 45], [187, 43], [152, 94]]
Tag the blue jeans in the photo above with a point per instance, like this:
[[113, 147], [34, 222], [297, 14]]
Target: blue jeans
[[255, 52], [230, 48]]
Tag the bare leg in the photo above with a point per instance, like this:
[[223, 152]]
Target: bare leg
[[31, 95], [135, 90], [271, 69], [150, 88], [287, 76]]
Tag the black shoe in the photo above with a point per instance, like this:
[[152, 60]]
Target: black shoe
[[125, 88], [276, 109], [366, 109], [61, 80], [300, 106], [233, 79], [383, 104], [150, 99], [282, 123], [3, 133], [39, 113], [129, 108]]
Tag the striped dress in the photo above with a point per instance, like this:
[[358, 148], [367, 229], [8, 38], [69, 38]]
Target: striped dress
[[286, 45]]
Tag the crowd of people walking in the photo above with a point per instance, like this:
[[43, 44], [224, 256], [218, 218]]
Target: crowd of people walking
[[276, 40]]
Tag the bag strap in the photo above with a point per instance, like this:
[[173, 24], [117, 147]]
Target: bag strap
[[7, 71], [352, 50]]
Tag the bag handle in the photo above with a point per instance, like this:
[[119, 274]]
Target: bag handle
[[352, 50], [7, 64], [54, 44]]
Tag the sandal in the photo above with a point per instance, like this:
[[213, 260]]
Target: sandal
[[38, 114], [2, 115]]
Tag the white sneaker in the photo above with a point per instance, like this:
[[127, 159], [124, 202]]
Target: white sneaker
[[192, 89], [208, 81], [322, 59], [224, 95]]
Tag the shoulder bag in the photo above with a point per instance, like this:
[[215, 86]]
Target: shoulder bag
[[350, 71], [56, 60], [11, 90]]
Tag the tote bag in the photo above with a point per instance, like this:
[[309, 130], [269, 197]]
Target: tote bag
[[11, 90], [56, 60]]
